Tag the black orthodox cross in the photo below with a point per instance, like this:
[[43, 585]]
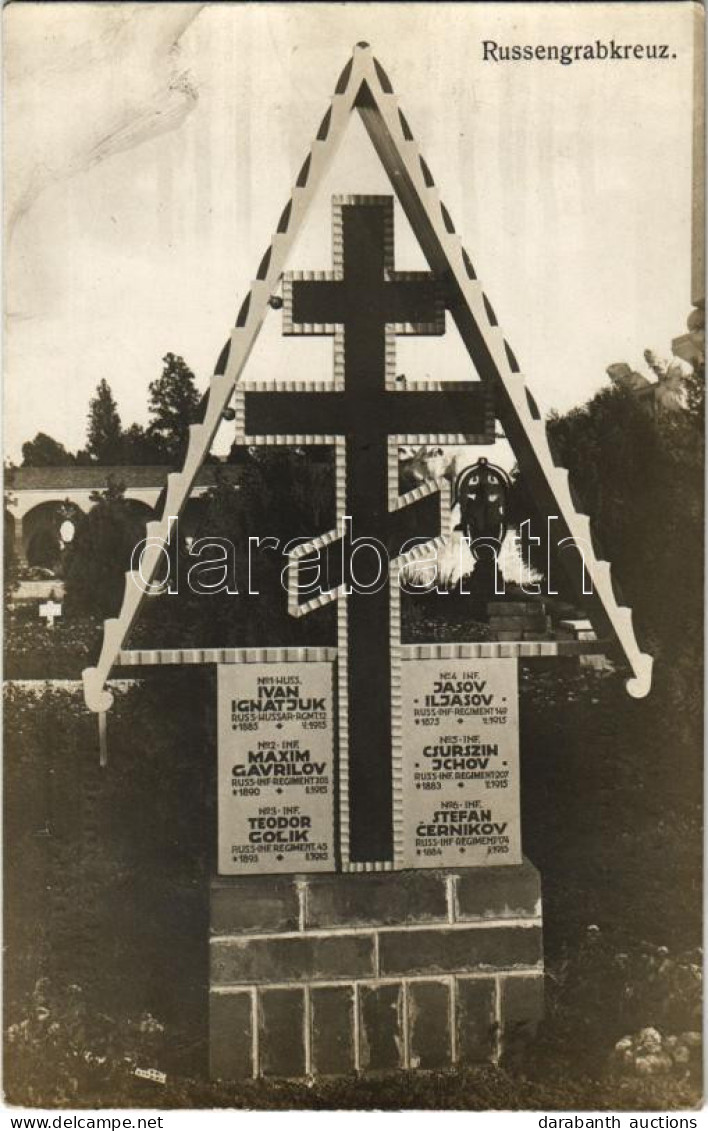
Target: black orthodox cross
[[364, 303]]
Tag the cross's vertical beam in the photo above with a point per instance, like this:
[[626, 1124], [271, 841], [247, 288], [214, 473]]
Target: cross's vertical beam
[[364, 303]]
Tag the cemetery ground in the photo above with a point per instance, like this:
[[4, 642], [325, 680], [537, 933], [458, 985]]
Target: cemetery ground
[[106, 896]]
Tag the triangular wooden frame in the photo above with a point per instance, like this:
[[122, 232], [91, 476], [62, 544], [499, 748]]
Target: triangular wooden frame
[[364, 86]]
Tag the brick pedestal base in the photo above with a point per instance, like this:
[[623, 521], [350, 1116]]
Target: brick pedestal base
[[324, 975]]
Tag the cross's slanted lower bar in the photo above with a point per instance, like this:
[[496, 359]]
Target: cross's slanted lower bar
[[363, 298]]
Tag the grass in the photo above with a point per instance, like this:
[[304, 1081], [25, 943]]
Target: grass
[[106, 917]]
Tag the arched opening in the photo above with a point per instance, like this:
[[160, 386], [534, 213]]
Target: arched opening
[[141, 510], [11, 559], [47, 530], [9, 528]]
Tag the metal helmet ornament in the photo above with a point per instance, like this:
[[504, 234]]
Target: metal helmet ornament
[[481, 491]]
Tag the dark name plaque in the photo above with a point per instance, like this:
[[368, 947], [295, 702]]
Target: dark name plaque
[[460, 764], [276, 767]]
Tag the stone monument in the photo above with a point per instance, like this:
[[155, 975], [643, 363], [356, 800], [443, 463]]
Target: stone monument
[[372, 908]]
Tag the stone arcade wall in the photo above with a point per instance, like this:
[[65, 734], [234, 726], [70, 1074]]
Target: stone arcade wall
[[369, 972]]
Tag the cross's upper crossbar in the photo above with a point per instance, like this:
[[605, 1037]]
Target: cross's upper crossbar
[[394, 299]]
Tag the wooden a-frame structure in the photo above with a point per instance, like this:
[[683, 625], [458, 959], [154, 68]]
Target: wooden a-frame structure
[[364, 86]]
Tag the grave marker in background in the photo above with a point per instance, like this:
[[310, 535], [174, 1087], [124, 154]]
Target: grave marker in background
[[50, 610]]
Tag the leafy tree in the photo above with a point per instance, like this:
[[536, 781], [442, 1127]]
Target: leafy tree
[[174, 403], [105, 434], [100, 553], [140, 448], [45, 451], [295, 493], [280, 493], [695, 387], [640, 478]]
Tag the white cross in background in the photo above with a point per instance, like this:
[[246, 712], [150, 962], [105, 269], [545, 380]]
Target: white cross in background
[[50, 610]]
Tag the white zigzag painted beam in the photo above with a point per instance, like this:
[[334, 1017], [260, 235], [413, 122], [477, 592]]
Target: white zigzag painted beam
[[248, 324], [495, 362], [364, 86]]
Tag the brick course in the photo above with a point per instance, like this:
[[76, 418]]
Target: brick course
[[372, 900], [477, 1031], [265, 904], [292, 958], [498, 893], [332, 1012], [239, 905], [521, 1009], [281, 1037], [442, 951], [374, 972], [231, 1043], [381, 1027], [429, 1031]]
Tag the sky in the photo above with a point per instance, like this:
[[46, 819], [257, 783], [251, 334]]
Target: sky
[[149, 150]]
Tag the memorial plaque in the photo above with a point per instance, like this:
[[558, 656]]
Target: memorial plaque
[[276, 767], [460, 763]]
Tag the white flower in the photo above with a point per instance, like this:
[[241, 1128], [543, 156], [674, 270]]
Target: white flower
[[653, 1064], [649, 1040]]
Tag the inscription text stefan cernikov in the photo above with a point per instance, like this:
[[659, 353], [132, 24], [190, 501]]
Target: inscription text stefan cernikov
[[598, 50]]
